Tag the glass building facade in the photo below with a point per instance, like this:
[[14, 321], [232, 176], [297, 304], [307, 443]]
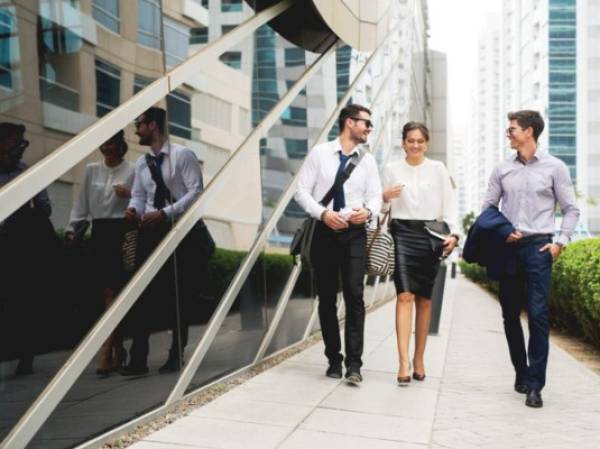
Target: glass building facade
[[562, 102], [89, 66]]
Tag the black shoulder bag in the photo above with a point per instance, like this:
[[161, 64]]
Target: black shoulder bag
[[302, 242]]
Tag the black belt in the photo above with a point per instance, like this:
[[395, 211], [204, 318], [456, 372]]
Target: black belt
[[534, 238], [351, 227]]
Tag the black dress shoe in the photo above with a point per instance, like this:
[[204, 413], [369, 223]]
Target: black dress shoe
[[132, 370], [334, 371], [534, 399], [170, 366], [353, 376], [521, 388]]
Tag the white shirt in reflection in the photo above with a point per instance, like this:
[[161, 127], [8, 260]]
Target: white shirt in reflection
[[97, 197]]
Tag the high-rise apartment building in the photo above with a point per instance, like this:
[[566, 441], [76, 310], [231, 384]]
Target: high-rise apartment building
[[548, 64], [488, 143]]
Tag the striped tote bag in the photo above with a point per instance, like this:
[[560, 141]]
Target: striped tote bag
[[380, 250]]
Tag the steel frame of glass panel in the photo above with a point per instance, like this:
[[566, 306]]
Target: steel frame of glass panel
[[76, 149]]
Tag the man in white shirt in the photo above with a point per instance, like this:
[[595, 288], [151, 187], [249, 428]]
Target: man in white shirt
[[157, 200], [339, 244]]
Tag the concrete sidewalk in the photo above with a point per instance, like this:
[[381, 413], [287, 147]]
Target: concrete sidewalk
[[467, 400]]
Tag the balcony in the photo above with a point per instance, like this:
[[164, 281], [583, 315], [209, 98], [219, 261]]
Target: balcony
[[58, 94], [193, 9], [60, 107]]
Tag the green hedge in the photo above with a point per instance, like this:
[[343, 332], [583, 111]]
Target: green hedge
[[575, 298], [224, 264], [575, 295]]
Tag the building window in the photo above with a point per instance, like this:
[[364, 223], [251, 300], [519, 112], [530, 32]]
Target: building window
[[53, 92], [9, 46], [231, 5], [294, 56], [106, 12], [296, 148], [177, 38], [139, 82], [232, 59], [227, 28], [198, 36], [108, 85], [180, 115], [149, 23], [294, 116], [290, 83]]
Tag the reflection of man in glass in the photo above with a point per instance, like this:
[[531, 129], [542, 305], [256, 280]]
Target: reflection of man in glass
[[167, 181], [27, 243]]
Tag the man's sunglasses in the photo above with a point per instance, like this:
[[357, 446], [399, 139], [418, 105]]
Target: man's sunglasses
[[139, 123], [368, 123]]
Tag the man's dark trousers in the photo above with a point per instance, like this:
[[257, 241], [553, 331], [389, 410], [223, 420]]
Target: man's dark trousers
[[158, 299], [344, 253], [529, 287]]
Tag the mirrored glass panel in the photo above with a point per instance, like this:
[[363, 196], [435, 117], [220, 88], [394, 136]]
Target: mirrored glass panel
[[293, 324], [239, 337]]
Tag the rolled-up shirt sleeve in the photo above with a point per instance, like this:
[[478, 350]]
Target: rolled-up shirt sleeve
[[494, 190], [565, 196], [306, 183], [192, 179], [138, 193]]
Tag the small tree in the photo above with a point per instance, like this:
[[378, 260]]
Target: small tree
[[467, 221]]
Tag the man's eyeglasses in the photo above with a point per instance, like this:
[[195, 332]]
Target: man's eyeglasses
[[511, 131], [139, 123], [368, 123]]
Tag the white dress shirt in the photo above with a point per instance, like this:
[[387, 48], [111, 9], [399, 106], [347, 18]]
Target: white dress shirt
[[362, 189], [97, 197], [181, 173], [427, 194]]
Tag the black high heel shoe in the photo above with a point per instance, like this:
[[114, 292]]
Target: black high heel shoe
[[403, 381], [419, 377]]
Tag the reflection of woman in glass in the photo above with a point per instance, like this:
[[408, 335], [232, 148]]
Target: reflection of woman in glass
[[103, 197], [419, 190]]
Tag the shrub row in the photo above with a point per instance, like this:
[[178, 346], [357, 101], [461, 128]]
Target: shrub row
[[575, 295]]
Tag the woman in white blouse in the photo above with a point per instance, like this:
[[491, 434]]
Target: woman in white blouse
[[103, 198], [418, 189]]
